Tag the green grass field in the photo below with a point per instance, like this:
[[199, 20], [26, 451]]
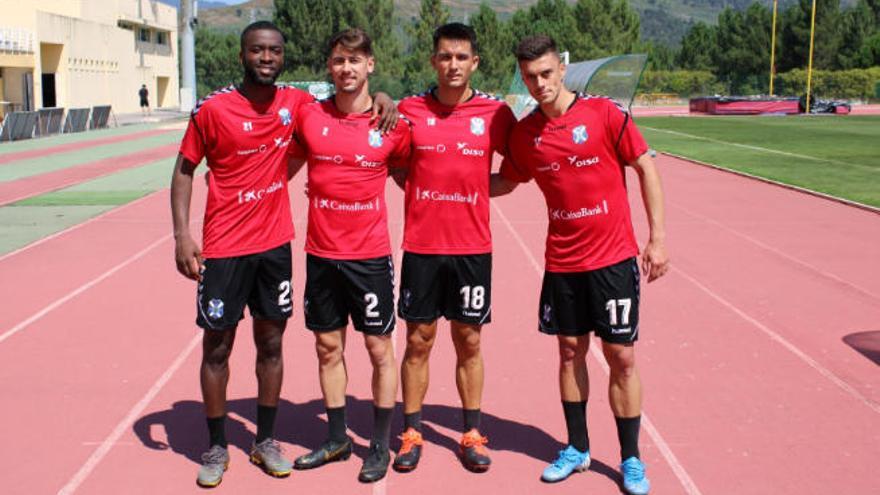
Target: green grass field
[[836, 155]]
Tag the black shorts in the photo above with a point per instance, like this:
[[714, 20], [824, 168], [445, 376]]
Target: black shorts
[[145, 103], [261, 281], [457, 287], [339, 289], [605, 300]]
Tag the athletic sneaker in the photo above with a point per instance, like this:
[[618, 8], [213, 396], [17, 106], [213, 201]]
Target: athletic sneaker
[[410, 451], [634, 480], [329, 451], [375, 464], [473, 451], [267, 455], [570, 460], [214, 463]]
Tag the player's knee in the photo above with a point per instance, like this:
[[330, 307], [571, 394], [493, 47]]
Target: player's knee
[[468, 346], [419, 345], [329, 354], [621, 360], [570, 352]]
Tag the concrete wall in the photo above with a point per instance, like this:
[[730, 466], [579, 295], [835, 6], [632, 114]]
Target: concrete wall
[[92, 47]]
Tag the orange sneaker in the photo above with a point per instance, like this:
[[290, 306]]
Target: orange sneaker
[[410, 451], [473, 453]]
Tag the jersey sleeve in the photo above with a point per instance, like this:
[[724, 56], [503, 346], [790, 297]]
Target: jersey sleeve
[[192, 147], [297, 147], [628, 141], [502, 126], [403, 144]]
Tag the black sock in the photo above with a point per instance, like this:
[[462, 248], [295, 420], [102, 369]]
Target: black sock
[[217, 431], [336, 420], [576, 424], [471, 419], [265, 422], [381, 425], [413, 420], [628, 435]]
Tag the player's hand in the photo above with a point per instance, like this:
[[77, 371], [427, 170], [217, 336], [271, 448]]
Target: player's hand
[[385, 111], [655, 261], [188, 257]]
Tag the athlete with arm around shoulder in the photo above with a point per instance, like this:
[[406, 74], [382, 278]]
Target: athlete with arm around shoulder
[[575, 148]]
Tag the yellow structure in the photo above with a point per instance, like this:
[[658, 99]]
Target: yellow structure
[[81, 53]]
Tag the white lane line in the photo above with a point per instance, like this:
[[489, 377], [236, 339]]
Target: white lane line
[[129, 420], [88, 285], [779, 253], [75, 227], [784, 343], [683, 477], [759, 148]]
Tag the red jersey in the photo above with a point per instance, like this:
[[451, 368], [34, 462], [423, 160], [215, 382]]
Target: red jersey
[[447, 188], [577, 160], [348, 164], [248, 208]]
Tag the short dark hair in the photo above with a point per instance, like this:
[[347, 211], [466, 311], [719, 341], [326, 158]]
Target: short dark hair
[[456, 31], [260, 26], [354, 39], [535, 47]]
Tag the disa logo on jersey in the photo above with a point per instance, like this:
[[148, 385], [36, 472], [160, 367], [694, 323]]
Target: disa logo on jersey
[[374, 138], [462, 147], [579, 134]]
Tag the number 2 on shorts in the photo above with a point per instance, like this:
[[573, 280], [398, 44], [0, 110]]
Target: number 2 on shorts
[[372, 301], [284, 296]]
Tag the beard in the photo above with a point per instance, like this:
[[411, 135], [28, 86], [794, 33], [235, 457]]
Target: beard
[[250, 72]]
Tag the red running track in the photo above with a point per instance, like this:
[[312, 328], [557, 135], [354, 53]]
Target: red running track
[[750, 387], [26, 187], [79, 145]]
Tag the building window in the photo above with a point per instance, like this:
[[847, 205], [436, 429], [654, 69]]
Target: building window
[[161, 37], [144, 35]]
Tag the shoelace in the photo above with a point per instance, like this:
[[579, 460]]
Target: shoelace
[[213, 456], [410, 439], [476, 441], [269, 447], [565, 457], [633, 471]]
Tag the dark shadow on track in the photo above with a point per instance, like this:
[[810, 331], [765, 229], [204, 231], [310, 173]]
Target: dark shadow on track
[[304, 425], [865, 343]]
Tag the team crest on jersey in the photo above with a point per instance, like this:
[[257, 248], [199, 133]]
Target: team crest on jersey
[[579, 134], [284, 114], [374, 138], [215, 309], [478, 126], [432, 121]]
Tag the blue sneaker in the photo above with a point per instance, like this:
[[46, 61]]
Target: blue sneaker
[[634, 480], [570, 460]]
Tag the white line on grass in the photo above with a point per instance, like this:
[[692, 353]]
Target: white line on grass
[[784, 343], [683, 477], [129, 419], [88, 285], [762, 149]]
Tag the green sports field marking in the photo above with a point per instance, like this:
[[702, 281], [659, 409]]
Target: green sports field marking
[[31, 219], [760, 148], [49, 141], [832, 155], [41, 165]]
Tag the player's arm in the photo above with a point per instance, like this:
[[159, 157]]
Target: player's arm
[[294, 165], [386, 111], [499, 186], [655, 261], [187, 253]]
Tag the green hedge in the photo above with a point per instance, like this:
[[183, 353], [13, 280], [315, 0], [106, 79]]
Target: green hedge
[[680, 82], [854, 83], [849, 84]]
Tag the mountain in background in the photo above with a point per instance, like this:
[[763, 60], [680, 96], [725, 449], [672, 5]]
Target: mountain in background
[[663, 21]]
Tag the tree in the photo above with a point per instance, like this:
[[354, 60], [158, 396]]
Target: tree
[[857, 24], [743, 41], [796, 35], [698, 48], [609, 27], [417, 68], [554, 18], [216, 60], [496, 51]]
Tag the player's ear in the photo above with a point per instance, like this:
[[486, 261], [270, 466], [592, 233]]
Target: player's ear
[[371, 65], [476, 59]]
